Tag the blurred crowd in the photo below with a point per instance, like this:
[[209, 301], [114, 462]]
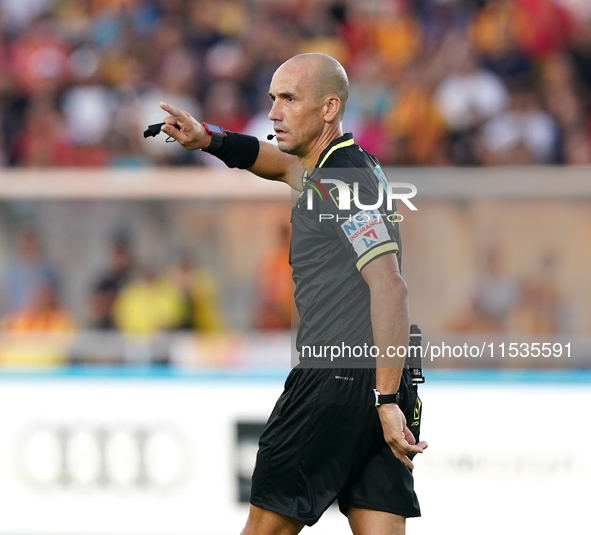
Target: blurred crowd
[[126, 296], [496, 302], [433, 82]]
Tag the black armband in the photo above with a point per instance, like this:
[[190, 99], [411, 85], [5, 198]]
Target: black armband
[[237, 150]]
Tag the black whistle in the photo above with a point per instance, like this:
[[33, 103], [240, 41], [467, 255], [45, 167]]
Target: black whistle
[[154, 129]]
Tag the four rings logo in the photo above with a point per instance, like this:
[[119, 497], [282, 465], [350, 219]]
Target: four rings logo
[[102, 455]]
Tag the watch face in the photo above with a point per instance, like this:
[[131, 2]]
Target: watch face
[[214, 129]]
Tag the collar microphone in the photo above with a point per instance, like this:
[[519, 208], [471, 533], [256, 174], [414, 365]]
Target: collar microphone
[[271, 136]]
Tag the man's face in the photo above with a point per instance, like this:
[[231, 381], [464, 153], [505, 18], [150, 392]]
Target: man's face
[[296, 114]]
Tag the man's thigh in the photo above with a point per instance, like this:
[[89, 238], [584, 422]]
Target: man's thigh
[[262, 522], [371, 522]]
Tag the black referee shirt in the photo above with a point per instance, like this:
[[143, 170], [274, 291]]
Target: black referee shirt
[[330, 246]]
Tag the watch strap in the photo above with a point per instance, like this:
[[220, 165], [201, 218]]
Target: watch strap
[[216, 139], [386, 399]]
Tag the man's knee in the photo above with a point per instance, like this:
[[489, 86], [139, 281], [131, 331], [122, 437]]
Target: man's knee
[[263, 522]]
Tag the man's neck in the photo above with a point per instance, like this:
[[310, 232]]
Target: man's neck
[[320, 143]]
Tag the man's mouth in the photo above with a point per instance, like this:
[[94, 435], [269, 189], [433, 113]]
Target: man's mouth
[[279, 131]]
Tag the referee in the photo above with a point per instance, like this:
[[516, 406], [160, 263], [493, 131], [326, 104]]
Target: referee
[[345, 431]]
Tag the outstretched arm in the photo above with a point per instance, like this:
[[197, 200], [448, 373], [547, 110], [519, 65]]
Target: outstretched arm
[[271, 163]]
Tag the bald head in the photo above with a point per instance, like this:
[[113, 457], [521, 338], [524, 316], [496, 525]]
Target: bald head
[[324, 76], [309, 93]]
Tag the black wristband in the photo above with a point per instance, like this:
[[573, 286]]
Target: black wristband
[[237, 150]]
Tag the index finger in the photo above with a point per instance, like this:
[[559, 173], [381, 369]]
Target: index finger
[[175, 112]]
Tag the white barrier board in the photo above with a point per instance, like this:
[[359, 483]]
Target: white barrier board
[[164, 456]]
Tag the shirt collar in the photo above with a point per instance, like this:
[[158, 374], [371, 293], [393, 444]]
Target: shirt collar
[[333, 146]]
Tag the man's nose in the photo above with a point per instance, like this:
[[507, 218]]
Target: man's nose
[[274, 112]]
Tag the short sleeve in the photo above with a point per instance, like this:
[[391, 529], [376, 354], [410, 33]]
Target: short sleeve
[[368, 232]]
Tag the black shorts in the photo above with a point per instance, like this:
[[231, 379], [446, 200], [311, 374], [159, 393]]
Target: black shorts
[[324, 442]]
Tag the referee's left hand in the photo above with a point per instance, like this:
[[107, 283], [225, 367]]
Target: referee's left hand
[[398, 435]]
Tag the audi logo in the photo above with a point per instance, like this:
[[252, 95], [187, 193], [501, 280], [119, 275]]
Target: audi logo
[[103, 455]]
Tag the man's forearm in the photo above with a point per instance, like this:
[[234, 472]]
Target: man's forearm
[[390, 321], [273, 164]]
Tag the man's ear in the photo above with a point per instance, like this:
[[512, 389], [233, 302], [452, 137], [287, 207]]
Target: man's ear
[[332, 108]]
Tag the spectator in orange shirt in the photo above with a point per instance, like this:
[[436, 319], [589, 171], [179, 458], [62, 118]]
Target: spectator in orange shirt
[[416, 120], [274, 308], [43, 314], [31, 335]]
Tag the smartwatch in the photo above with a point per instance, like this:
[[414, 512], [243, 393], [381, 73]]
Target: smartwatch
[[385, 399], [217, 137]]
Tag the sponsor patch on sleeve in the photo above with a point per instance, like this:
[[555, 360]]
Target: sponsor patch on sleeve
[[365, 230]]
